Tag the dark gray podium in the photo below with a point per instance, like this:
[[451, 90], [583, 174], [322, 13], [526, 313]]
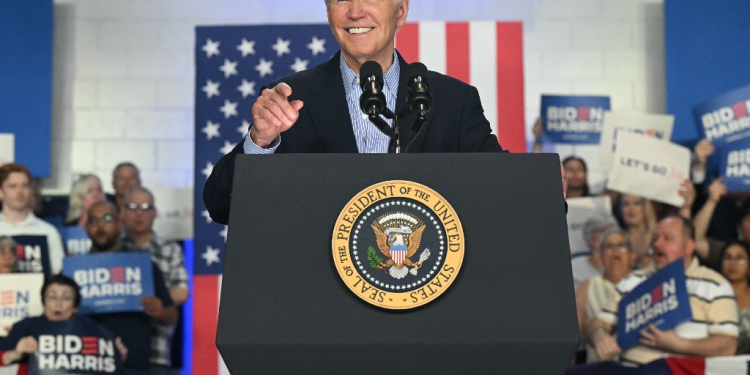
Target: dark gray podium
[[285, 310]]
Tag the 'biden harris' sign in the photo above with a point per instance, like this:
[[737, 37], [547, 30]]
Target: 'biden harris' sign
[[661, 300], [111, 282], [725, 118], [735, 165], [573, 119]]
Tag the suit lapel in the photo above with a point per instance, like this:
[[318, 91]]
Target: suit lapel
[[330, 111]]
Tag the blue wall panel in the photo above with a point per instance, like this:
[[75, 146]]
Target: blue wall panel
[[707, 53], [26, 29]]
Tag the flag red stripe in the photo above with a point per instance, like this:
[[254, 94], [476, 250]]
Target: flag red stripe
[[407, 42], [510, 107], [686, 366], [457, 50], [205, 318]]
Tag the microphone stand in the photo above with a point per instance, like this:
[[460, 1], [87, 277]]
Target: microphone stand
[[394, 146]]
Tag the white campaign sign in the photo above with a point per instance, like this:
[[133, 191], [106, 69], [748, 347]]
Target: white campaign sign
[[7, 148], [20, 297], [616, 123], [649, 168], [174, 207], [581, 210]]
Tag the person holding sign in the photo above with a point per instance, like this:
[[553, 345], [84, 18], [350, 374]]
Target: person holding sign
[[60, 298], [104, 228], [8, 256], [713, 330], [43, 248]]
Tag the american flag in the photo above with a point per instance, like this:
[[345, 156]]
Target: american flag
[[234, 62]]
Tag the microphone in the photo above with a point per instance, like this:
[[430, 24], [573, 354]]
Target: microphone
[[372, 101], [420, 98]]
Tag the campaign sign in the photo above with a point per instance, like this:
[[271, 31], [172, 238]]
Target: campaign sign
[[111, 282], [649, 168], [661, 300], [78, 346], [725, 118], [573, 119], [33, 254], [20, 297], [619, 122], [76, 240], [581, 210], [735, 165]]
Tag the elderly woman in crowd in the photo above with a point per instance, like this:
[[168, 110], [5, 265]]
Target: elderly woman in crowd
[[8, 256], [87, 190], [735, 267], [60, 299], [593, 294], [588, 266]]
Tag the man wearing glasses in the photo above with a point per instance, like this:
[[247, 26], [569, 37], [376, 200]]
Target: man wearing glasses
[[138, 213], [104, 227]]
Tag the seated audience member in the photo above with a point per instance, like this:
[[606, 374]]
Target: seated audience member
[[17, 219], [712, 332], [8, 255], [707, 248], [87, 190], [596, 292], [588, 266], [138, 216], [60, 300], [134, 328], [735, 267], [125, 177], [640, 223], [576, 173]]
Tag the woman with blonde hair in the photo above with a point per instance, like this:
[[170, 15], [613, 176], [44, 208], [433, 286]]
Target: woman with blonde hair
[[639, 222], [86, 191]]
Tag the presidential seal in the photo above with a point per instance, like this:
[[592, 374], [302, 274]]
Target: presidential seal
[[398, 245]]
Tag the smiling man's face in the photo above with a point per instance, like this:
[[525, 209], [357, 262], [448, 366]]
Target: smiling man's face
[[365, 29]]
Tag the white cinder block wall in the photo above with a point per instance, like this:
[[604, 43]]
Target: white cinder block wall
[[124, 72]]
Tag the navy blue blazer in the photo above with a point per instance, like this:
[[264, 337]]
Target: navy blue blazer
[[455, 123]]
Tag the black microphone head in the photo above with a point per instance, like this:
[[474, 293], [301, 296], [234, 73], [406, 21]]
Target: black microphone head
[[370, 70], [417, 69], [420, 98]]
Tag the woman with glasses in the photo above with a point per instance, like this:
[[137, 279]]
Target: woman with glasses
[[735, 267], [60, 301], [593, 294]]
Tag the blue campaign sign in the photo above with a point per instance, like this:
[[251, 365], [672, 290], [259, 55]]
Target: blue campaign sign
[[111, 282], [725, 118], [33, 254], [735, 165], [661, 300], [573, 119], [76, 240], [77, 346]]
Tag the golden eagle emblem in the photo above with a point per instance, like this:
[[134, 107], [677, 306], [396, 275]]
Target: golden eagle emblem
[[398, 235]]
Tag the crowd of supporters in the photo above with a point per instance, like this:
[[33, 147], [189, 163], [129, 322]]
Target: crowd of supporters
[[122, 222]]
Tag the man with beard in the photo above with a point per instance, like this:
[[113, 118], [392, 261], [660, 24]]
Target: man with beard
[[104, 227]]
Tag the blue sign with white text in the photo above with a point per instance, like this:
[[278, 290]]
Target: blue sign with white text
[[735, 165], [725, 118], [76, 240], [661, 300], [32, 254], [111, 282], [573, 119]]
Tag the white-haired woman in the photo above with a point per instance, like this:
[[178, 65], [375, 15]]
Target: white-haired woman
[[86, 191]]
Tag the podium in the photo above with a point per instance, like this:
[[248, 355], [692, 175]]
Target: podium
[[285, 309]]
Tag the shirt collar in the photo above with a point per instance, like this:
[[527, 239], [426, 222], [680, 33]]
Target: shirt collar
[[390, 77], [30, 218]]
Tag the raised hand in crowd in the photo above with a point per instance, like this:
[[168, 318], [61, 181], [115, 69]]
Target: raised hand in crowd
[[538, 131], [26, 345], [687, 191], [122, 349], [702, 219], [703, 150], [273, 114]]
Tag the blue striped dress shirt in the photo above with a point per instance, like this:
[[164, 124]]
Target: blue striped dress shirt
[[369, 138]]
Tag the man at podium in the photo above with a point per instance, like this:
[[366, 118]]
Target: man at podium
[[318, 109]]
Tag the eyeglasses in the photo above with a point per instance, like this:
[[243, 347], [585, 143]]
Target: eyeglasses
[[103, 219], [615, 247], [55, 298], [738, 260], [141, 206]]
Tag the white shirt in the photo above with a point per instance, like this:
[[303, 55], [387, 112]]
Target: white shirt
[[34, 226]]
